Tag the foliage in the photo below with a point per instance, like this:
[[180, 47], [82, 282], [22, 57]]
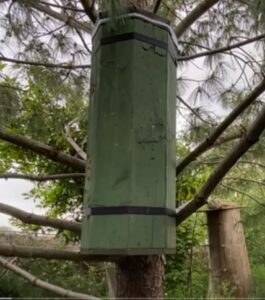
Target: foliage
[[79, 277]]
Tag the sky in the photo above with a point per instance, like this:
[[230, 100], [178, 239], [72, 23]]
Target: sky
[[11, 193]]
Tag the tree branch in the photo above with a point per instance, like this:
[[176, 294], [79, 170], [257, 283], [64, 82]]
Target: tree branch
[[41, 178], [194, 15], [156, 6], [30, 218], [48, 253], [43, 149], [251, 137], [223, 49], [212, 138], [43, 284], [67, 66], [90, 10], [60, 16]]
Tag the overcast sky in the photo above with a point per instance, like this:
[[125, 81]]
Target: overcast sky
[[11, 192]]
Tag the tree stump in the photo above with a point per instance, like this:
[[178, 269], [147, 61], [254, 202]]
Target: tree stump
[[228, 258]]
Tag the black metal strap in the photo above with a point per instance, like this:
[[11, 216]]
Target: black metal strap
[[129, 210], [139, 37]]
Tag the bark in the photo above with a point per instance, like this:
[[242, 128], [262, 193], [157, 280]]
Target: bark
[[30, 218], [43, 149], [252, 137], [228, 258], [35, 281], [140, 277]]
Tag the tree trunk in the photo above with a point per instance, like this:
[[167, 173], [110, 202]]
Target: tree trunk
[[228, 258], [140, 277]]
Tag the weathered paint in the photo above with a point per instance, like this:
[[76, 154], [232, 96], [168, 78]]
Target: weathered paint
[[131, 142]]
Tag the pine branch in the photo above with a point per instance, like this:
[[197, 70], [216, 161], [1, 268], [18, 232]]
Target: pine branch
[[242, 193], [245, 180], [222, 49], [43, 150], [90, 10], [252, 137], [60, 16], [30, 218], [193, 111], [35, 281], [212, 138], [194, 15], [41, 178], [67, 66]]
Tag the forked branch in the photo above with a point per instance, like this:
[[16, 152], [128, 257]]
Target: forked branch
[[30, 218], [42, 149]]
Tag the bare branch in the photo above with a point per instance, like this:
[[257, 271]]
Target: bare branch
[[41, 178], [43, 149], [90, 10], [251, 138], [212, 138], [30, 218], [72, 142], [223, 49], [48, 253], [43, 284], [67, 66], [194, 15]]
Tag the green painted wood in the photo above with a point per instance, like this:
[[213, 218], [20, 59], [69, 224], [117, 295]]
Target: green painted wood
[[131, 143]]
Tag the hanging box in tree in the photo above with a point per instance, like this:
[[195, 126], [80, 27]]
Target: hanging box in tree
[[129, 202]]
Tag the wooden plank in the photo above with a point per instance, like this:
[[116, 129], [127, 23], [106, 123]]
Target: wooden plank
[[132, 143]]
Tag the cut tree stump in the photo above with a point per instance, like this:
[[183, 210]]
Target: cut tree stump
[[230, 273]]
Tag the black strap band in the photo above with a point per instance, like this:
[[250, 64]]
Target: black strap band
[[139, 37], [129, 210]]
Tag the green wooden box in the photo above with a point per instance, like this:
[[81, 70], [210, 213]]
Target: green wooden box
[[129, 197]]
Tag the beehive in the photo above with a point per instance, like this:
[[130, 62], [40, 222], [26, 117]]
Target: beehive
[[129, 197]]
